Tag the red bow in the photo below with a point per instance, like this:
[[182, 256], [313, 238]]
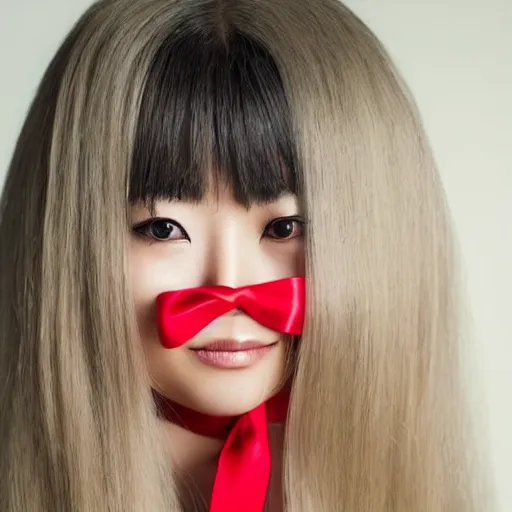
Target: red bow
[[278, 305], [244, 465]]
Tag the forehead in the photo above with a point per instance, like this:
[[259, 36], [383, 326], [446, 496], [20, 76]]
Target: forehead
[[213, 112]]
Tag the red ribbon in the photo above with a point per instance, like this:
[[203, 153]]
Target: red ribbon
[[278, 305], [243, 470]]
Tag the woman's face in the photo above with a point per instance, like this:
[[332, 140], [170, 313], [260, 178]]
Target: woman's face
[[214, 242]]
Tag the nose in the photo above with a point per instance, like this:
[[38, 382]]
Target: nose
[[237, 250], [234, 258]]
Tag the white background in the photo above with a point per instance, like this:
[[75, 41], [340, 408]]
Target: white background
[[456, 56]]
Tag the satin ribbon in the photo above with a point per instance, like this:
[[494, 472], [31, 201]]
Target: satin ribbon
[[278, 305], [244, 466]]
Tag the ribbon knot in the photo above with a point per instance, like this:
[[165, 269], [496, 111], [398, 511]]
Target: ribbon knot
[[278, 305]]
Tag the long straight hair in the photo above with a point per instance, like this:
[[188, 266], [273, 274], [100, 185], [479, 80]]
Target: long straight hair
[[379, 417]]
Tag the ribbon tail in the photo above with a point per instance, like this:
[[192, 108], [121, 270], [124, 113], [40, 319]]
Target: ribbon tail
[[243, 470]]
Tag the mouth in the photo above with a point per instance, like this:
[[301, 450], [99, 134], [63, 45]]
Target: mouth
[[231, 354]]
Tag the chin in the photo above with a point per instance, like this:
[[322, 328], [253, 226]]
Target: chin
[[184, 379], [232, 395], [228, 407], [226, 392]]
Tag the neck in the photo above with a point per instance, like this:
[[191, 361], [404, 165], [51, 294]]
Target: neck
[[196, 457], [197, 440]]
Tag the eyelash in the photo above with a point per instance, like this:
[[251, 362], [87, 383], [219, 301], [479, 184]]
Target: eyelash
[[142, 228], [298, 220]]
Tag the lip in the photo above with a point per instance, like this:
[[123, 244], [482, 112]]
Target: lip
[[232, 354], [232, 345]]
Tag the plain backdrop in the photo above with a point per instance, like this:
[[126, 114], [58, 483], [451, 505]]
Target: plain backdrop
[[456, 56]]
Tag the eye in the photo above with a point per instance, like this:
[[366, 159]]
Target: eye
[[161, 230], [285, 228]]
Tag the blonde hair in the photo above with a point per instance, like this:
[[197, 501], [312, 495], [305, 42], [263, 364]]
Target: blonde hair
[[379, 417]]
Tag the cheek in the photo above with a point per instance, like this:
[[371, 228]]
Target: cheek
[[285, 259], [300, 261], [144, 285], [153, 270]]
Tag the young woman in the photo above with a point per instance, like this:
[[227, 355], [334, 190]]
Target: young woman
[[227, 274]]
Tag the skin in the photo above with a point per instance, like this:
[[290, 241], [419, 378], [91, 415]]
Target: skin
[[214, 242]]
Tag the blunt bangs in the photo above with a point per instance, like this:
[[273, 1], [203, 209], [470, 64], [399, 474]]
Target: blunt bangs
[[213, 111]]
